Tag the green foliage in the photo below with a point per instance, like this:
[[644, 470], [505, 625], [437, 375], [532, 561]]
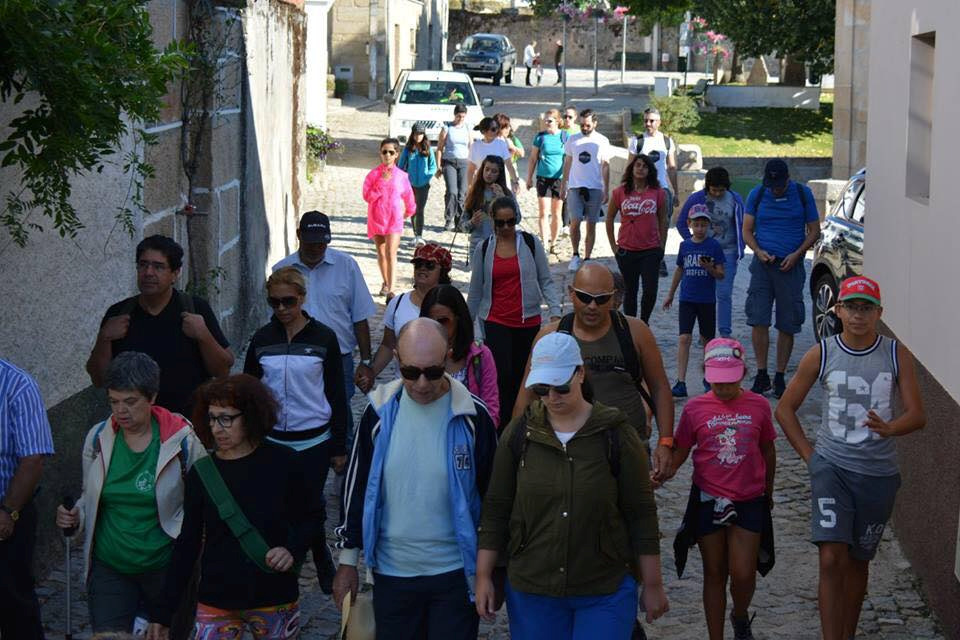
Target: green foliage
[[676, 112], [648, 12], [803, 29], [88, 75], [340, 87], [320, 143]]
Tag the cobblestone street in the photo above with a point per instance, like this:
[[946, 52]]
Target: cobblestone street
[[785, 602]]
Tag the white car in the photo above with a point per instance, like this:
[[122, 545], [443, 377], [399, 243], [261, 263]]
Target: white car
[[428, 98]]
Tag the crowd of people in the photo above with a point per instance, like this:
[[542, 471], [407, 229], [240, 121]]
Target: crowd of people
[[512, 460]]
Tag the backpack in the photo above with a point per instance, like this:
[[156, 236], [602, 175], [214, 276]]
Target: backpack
[[519, 440], [186, 302], [564, 136], [631, 363], [667, 141], [800, 194], [527, 238]]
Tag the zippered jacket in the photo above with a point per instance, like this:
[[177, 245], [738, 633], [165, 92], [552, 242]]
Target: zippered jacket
[[700, 197], [560, 518], [471, 443]]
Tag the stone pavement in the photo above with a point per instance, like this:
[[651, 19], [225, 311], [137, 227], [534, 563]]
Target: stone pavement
[[786, 598]]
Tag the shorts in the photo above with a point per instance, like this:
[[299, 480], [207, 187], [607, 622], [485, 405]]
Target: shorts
[[769, 286], [548, 187], [278, 622], [750, 514], [584, 204], [849, 507], [704, 313]]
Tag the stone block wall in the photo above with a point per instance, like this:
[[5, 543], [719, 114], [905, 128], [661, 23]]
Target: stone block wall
[[851, 80]]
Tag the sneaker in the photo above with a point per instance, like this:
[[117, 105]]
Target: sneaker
[[741, 627], [680, 389], [574, 263], [419, 241], [779, 384], [325, 570], [565, 232], [663, 268], [448, 226], [761, 383], [706, 386]]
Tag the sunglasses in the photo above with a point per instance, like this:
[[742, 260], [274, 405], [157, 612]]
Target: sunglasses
[[287, 302], [549, 120], [569, 117], [512, 222], [600, 298], [431, 373], [493, 128], [543, 390], [420, 263], [388, 152], [650, 120]]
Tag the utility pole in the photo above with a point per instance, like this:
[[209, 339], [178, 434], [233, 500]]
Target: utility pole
[[596, 62], [563, 66]]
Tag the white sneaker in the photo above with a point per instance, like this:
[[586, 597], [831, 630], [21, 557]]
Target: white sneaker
[[565, 232], [419, 241], [574, 263]]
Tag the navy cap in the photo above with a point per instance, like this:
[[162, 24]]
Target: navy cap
[[314, 227], [775, 174]]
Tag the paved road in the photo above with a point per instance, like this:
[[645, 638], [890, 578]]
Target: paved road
[[786, 599]]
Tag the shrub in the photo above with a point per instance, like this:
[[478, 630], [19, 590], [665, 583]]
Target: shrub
[[676, 112], [340, 86], [320, 143]]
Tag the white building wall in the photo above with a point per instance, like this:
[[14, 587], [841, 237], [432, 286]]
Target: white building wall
[[911, 243], [318, 61]]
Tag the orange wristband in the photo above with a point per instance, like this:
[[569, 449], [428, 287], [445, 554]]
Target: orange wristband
[[666, 441]]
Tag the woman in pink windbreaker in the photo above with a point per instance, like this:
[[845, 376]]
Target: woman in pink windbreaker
[[390, 200], [471, 361]]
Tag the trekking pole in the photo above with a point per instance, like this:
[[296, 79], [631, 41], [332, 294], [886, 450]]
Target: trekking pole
[[68, 504]]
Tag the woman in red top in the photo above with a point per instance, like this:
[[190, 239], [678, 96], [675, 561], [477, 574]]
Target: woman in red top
[[642, 205]]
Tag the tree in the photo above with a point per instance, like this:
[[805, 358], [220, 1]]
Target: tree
[[799, 30], [648, 12], [93, 76]]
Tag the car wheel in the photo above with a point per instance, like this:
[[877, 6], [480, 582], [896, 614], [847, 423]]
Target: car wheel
[[498, 76], [825, 320]]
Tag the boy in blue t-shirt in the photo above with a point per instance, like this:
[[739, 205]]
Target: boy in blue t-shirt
[[699, 266]]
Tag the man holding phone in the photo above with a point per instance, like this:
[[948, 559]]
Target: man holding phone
[[780, 223]]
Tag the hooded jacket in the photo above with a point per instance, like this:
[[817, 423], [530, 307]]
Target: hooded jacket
[[471, 442], [700, 197], [179, 449]]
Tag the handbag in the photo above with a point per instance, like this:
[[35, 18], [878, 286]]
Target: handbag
[[357, 621]]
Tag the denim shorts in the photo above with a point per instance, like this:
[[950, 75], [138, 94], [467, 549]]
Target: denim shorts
[[584, 203], [769, 288]]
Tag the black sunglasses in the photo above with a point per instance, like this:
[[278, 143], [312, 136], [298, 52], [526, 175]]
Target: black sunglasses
[[586, 298], [413, 373], [286, 301], [543, 390], [388, 152], [420, 263], [512, 222]]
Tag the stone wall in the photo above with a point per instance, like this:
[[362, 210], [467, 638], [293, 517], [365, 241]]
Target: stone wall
[[801, 169], [247, 192], [851, 80]]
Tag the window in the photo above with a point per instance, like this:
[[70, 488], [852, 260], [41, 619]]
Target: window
[[849, 198], [920, 116], [860, 208], [436, 92]]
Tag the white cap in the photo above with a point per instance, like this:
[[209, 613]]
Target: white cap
[[555, 357]]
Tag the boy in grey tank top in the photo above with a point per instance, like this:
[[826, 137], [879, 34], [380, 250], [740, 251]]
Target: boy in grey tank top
[[853, 467]]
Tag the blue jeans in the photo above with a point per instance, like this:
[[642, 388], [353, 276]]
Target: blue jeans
[[725, 294], [611, 616]]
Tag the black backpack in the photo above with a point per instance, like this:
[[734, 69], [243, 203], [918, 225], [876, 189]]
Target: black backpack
[[527, 238], [186, 303], [800, 194]]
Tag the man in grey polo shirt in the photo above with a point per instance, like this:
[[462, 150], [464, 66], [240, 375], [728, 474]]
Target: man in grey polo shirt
[[337, 294]]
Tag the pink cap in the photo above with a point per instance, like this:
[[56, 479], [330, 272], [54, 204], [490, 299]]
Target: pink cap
[[723, 360]]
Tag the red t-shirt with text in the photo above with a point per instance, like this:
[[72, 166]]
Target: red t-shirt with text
[[639, 225]]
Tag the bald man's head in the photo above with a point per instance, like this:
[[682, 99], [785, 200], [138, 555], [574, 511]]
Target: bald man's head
[[593, 277], [422, 351], [423, 336], [592, 294]]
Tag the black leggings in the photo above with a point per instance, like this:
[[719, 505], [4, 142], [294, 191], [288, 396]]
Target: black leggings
[[636, 266], [420, 196], [510, 347]]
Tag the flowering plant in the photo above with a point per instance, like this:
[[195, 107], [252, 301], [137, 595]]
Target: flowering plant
[[584, 10], [708, 42], [320, 143]]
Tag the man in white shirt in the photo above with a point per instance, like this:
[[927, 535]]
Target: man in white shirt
[[529, 53], [586, 181], [662, 149]]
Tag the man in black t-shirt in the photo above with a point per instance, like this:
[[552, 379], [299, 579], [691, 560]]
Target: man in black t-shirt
[[177, 330]]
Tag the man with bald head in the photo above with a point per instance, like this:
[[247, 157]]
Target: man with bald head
[[594, 323], [418, 472]]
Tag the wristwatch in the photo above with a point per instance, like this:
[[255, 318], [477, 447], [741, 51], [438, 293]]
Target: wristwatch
[[665, 441], [366, 362], [13, 513]]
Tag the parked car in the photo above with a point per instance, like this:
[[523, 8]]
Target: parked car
[[486, 55], [428, 97], [838, 254]]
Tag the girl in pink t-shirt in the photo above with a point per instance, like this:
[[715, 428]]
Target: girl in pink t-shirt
[[389, 198], [638, 248], [730, 431]]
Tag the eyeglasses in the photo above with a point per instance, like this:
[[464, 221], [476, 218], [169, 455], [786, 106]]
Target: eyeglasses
[[420, 263], [146, 265], [545, 389], [861, 309], [224, 420], [431, 373], [287, 302], [499, 224], [649, 120], [600, 298], [387, 152]]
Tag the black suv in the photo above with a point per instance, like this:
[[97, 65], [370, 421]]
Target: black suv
[[838, 253], [487, 55]]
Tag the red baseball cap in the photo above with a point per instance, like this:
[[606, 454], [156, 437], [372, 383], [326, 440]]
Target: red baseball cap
[[859, 287], [433, 251], [723, 360]]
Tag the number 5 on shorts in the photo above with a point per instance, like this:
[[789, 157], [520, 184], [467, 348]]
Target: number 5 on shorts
[[829, 520]]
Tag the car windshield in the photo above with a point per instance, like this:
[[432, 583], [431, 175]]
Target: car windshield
[[473, 43], [437, 91]]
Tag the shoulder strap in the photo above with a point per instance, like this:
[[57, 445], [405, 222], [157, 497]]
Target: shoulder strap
[[184, 456], [564, 136], [667, 141], [127, 306], [483, 247], [249, 538], [756, 203], [518, 443], [566, 324], [477, 363], [803, 199], [186, 301], [96, 437], [640, 143], [528, 239], [395, 309], [631, 362]]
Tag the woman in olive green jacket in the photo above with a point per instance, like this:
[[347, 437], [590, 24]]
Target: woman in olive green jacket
[[570, 507]]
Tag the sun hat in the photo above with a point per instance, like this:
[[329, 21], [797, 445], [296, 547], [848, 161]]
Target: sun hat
[[433, 251], [723, 360], [554, 359], [860, 287], [698, 211]]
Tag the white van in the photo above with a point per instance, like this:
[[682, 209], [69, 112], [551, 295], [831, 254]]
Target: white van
[[428, 97]]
